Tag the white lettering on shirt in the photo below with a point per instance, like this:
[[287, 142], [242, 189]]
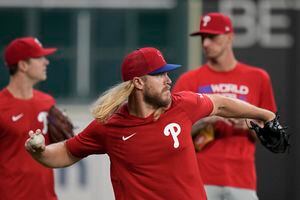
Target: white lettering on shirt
[[42, 117], [174, 129], [230, 88]]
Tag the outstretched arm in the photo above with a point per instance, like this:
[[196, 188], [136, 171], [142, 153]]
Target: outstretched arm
[[54, 155], [234, 108]]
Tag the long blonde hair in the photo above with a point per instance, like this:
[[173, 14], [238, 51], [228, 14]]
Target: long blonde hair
[[111, 100]]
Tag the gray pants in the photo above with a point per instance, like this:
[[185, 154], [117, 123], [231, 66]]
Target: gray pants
[[229, 193]]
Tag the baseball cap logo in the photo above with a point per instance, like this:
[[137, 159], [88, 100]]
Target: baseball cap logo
[[38, 42], [160, 55], [206, 19]]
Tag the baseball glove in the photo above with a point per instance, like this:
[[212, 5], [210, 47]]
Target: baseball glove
[[273, 136], [59, 125], [202, 137]]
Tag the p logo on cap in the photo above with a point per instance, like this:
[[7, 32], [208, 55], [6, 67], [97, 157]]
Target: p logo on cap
[[206, 19], [214, 23]]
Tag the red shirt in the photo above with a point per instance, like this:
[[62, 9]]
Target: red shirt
[[21, 177], [149, 159], [229, 161]]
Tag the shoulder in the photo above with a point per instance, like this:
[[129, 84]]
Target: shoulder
[[5, 98], [195, 105], [184, 95], [257, 71], [187, 97], [95, 124], [42, 96], [2, 94], [183, 99], [95, 129], [253, 72]]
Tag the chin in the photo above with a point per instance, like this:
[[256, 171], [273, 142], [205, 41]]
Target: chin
[[44, 78], [167, 96], [210, 56], [168, 99]]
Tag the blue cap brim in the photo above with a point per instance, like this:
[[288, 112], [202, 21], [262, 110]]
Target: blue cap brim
[[166, 68]]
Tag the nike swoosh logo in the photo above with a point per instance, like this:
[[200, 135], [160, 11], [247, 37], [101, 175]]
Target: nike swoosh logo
[[126, 138], [15, 118]]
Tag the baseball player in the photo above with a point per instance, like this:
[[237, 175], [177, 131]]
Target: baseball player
[[23, 108], [227, 163], [146, 132]]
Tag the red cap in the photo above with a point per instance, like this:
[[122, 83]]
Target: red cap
[[214, 23], [23, 49], [147, 60]]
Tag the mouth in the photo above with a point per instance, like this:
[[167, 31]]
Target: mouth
[[167, 89], [206, 50]]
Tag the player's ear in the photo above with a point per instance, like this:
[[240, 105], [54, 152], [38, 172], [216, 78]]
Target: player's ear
[[22, 65], [138, 82]]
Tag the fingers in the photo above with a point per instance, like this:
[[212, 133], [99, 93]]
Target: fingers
[[35, 142], [31, 133]]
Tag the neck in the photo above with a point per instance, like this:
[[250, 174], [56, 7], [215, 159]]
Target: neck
[[137, 107], [20, 88], [225, 62]]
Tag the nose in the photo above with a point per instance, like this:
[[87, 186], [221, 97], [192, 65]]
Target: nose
[[47, 62], [168, 80]]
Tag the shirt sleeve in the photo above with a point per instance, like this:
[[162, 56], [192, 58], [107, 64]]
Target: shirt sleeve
[[267, 100], [90, 141], [196, 105]]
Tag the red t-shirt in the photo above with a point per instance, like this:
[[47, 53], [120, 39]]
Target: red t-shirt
[[229, 161], [21, 177], [149, 159]]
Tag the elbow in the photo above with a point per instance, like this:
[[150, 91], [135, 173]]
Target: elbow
[[218, 103]]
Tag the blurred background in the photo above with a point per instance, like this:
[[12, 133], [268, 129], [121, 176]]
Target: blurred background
[[94, 35]]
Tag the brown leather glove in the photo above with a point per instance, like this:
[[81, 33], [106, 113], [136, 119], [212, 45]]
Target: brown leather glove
[[59, 125]]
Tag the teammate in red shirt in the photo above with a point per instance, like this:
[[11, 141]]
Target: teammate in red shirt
[[23, 108], [227, 163], [146, 132]]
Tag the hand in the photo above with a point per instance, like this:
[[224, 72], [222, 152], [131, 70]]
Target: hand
[[273, 135], [271, 116], [202, 123], [36, 142]]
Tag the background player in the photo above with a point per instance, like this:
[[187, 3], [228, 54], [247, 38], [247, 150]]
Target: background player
[[227, 163], [23, 108]]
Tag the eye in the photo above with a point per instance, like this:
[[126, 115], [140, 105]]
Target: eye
[[160, 74], [163, 74], [209, 36]]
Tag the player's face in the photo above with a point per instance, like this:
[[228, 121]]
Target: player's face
[[157, 90], [215, 46], [37, 69]]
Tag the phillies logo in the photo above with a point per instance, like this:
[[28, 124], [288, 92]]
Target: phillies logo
[[159, 54], [206, 19], [42, 117], [174, 130], [38, 42]]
